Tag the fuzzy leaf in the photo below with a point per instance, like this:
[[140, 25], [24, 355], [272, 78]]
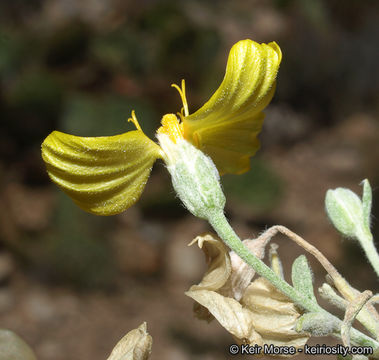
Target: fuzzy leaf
[[302, 279]]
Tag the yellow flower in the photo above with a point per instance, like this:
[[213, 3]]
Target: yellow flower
[[106, 175]]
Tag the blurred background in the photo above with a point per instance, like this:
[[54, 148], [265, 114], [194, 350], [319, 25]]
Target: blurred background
[[72, 284]]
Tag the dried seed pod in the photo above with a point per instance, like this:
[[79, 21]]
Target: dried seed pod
[[135, 345]]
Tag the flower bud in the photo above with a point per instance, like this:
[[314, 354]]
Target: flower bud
[[194, 176], [345, 211], [318, 324]]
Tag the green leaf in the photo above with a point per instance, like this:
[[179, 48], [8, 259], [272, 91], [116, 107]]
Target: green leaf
[[302, 277]]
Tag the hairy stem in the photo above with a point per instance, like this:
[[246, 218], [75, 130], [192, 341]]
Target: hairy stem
[[221, 225], [227, 234], [367, 242]]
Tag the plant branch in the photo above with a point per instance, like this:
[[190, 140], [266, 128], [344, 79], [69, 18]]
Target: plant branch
[[221, 225]]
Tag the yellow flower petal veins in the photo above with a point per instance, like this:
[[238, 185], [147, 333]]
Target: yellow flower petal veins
[[103, 175], [106, 175], [227, 126]]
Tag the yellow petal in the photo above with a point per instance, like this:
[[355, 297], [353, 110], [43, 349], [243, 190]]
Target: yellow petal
[[226, 127], [103, 175]]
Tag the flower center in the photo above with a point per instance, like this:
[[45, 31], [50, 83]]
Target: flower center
[[171, 127], [170, 123]]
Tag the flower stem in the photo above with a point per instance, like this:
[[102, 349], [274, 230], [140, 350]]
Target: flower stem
[[221, 225], [367, 243], [227, 234]]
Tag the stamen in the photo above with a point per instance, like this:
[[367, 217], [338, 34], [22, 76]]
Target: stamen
[[180, 114], [134, 120], [182, 93]]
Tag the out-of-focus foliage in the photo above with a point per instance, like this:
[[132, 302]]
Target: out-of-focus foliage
[[74, 249], [260, 188], [105, 115]]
